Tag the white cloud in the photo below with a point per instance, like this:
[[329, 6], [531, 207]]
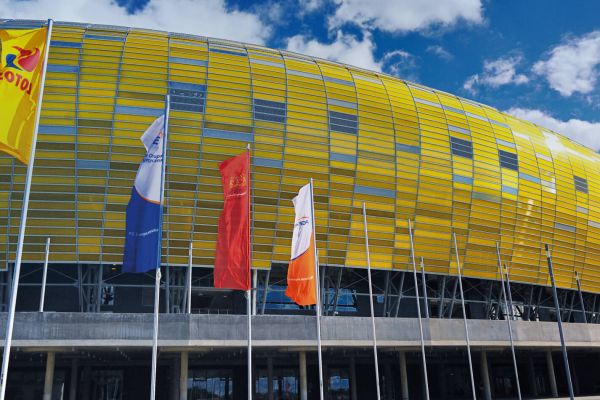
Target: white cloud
[[584, 132], [348, 49], [572, 66], [440, 52], [309, 6], [405, 15], [401, 64], [502, 71], [202, 17], [271, 12], [396, 54], [345, 48]]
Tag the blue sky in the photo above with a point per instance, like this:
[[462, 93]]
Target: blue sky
[[536, 59]]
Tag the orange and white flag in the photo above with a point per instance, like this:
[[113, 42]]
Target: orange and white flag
[[21, 58], [301, 270]]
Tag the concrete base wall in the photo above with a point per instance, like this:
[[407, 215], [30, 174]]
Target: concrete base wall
[[182, 331]]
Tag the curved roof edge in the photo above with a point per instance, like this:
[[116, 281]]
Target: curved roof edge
[[24, 23]]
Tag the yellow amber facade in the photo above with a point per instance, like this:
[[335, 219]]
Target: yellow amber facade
[[407, 151]]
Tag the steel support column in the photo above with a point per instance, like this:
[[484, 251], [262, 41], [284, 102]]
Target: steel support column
[[386, 293], [336, 294], [442, 296], [400, 291], [265, 292]]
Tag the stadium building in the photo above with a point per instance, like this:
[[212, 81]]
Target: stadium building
[[448, 164]]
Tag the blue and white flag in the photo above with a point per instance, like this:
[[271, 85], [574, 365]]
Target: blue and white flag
[[142, 226]]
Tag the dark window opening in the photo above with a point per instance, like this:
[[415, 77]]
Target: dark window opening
[[187, 97], [272, 111], [508, 160], [461, 147], [581, 184], [342, 122]]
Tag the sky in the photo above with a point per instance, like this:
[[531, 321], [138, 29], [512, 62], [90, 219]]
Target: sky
[[538, 59]]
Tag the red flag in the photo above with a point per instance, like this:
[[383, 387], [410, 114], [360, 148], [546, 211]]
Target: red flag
[[232, 259]]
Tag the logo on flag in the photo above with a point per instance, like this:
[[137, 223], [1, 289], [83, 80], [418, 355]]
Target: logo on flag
[[232, 258], [142, 225], [301, 270], [20, 76], [26, 59]]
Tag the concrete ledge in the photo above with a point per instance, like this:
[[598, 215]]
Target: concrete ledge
[[102, 330]]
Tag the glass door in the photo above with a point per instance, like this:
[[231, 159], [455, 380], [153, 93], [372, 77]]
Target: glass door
[[210, 384], [339, 384], [107, 385], [285, 384]]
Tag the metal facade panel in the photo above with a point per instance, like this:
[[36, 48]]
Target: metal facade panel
[[400, 150]]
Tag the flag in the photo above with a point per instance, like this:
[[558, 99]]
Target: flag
[[142, 222], [301, 270], [232, 258], [21, 65]]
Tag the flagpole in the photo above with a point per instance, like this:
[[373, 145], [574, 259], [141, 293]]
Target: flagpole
[[188, 305], [249, 291], [155, 331], [364, 209], [159, 251], [21, 237], [318, 292], [462, 300], [508, 320], [559, 321], [414, 264], [45, 275], [254, 290]]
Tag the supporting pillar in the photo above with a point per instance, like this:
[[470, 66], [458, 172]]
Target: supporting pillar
[[353, 386], [183, 375], [303, 380], [271, 396], [49, 379], [403, 375], [485, 377], [532, 377], [73, 383], [551, 376]]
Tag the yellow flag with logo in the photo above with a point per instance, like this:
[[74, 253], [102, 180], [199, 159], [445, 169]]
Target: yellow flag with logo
[[21, 64]]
